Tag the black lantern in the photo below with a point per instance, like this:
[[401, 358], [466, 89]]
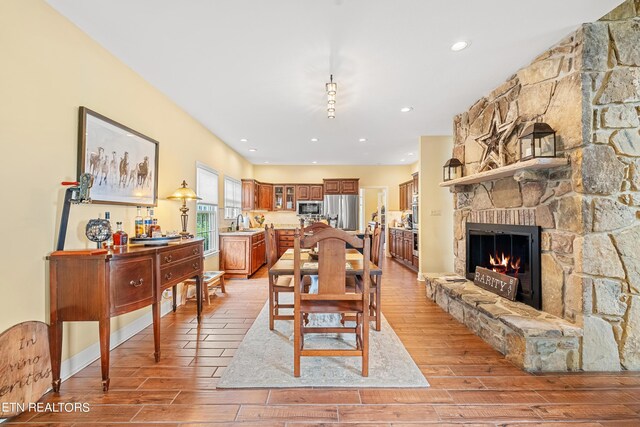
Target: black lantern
[[452, 170], [537, 140]]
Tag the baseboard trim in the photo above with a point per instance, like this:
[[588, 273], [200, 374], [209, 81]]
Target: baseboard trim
[[86, 357]]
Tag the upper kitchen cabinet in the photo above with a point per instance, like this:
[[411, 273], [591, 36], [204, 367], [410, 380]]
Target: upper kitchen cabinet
[[415, 176], [405, 195], [265, 196], [284, 197], [309, 192], [256, 195], [249, 194], [341, 186], [316, 192]]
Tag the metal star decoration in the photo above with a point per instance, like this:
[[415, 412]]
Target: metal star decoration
[[493, 142]]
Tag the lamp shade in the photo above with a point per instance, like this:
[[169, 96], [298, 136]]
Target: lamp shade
[[184, 193]]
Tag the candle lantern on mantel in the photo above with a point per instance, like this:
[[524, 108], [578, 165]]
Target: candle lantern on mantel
[[537, 140], [452, 169]]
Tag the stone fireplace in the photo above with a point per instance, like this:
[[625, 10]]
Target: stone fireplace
[[513, 250], [587, 211]]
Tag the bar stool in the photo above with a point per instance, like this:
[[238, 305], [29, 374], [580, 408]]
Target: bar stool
[[210, 280]]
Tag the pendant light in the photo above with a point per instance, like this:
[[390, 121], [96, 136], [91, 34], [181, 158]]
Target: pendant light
[[332, 89]]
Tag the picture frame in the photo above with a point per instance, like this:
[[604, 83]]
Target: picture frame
[[122, 161]]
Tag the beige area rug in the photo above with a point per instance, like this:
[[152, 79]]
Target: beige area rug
[[264, 359]]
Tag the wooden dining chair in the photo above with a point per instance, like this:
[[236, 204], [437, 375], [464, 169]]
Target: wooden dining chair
[[332, 296], [316, 226], [377, 255], [277, 284]]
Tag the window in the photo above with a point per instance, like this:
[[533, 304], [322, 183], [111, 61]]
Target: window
[[207, 208], [232, 198]]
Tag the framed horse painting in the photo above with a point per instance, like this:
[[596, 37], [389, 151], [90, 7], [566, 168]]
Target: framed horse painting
[[123, 162]]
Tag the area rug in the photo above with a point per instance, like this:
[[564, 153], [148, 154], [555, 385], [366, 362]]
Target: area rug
[[264, 359]]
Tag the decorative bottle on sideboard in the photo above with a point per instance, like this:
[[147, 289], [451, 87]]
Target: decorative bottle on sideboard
[[148, 222], [154, 229], [120, 237], [109, 242], [139, 223]]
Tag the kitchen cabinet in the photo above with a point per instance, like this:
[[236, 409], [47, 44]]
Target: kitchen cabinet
[[316, 192], [265, 197], [331, 186], [392, 242], [256, 195], [341, 186], [401, 247], [302, 192], [405, 195], [249, 194], [284, 197], [407, 243], [416, 180], [284, 240], [349, 186], [309, 192], [241, 254]]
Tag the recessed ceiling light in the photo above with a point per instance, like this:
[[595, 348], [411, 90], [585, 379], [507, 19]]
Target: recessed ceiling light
[[363, 140], [458, 46], [409, 154], [253, 149], [266, 161], [244, 140], [314, 162], [314, 139], [402, 160], [406, 109]]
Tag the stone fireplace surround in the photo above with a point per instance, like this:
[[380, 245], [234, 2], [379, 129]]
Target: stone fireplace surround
[[587, 87]]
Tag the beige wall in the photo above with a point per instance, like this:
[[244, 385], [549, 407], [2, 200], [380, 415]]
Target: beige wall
[[436, 206], [370, 176], [50, 68]]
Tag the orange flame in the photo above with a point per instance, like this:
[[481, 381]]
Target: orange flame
[[502, 263]]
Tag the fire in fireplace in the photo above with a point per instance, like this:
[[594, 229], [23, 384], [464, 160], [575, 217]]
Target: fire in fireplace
[[513, 250]]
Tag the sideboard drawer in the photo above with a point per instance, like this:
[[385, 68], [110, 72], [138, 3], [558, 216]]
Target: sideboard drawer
[[180, 271], [131, 284], [174, 256]]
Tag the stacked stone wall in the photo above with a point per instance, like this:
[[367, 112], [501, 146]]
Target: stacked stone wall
[[587, 88]]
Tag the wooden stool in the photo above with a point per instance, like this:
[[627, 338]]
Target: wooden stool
[[210, 280]]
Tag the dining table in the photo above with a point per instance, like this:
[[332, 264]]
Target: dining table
[[284, 266]]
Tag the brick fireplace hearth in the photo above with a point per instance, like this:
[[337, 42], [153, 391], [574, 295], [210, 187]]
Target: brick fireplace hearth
[[587, 87]]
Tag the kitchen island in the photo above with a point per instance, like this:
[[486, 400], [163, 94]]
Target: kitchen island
[[242, 252]]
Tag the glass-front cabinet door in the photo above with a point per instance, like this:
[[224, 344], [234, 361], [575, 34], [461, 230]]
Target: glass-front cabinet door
[[278, 197], [290, 198]]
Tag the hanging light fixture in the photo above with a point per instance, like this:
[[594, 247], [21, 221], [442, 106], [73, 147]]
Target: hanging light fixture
[[332, 89]]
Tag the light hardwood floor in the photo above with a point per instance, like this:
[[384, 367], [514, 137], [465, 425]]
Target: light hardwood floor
[[470, 382]]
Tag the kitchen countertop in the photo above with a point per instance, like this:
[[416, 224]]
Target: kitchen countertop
[[249, 232]]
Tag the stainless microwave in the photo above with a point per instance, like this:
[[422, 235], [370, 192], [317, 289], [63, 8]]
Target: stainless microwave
[[310, 208]]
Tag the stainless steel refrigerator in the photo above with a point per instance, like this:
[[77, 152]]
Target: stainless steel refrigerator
[[342, 211]]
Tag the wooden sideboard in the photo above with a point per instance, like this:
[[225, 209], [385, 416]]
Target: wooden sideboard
[[86, 287]]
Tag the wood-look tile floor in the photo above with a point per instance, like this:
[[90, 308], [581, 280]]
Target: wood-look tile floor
[[470, 382]]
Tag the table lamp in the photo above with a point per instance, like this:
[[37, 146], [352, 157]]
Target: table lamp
[[184, 193]]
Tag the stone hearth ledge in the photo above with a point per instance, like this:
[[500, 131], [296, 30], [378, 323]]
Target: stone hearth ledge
[[534, 340]]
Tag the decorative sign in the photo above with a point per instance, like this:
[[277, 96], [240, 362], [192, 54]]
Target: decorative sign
[[25, 366], [499, 284]]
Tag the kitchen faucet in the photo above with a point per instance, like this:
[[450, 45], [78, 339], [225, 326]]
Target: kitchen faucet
[[238, 221]]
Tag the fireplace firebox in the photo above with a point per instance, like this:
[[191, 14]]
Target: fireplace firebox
[[508, 249]]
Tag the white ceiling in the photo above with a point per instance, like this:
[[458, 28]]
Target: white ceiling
[[256, 69]]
